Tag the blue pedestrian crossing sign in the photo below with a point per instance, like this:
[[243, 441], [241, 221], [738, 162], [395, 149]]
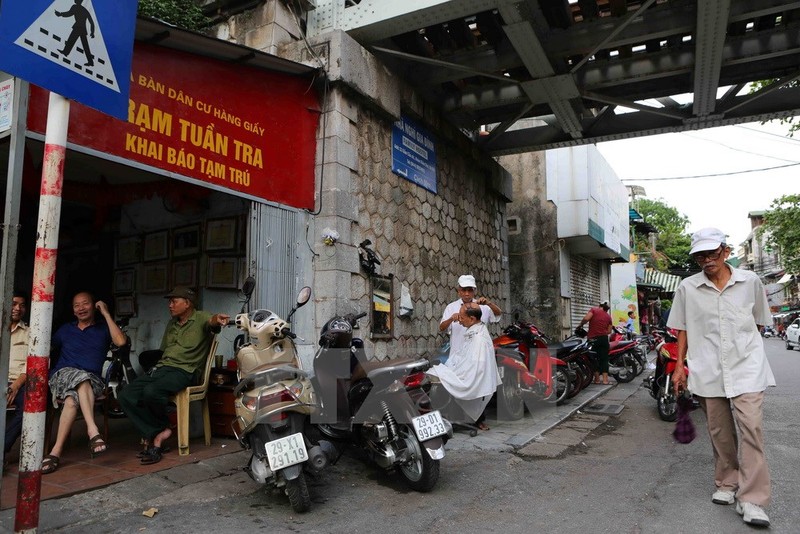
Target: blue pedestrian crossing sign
[[80, 49]]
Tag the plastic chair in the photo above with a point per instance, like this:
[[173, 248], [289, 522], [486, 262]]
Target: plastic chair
[[194, 393]]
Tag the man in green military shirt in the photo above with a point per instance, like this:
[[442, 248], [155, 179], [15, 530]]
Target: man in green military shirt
[[185, 345]]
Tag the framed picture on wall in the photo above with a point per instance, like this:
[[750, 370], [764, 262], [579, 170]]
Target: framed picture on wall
[[184, 273], [221, 234], [223, 273], [129, 250], [155, 278], [125, 306], [156, 246], [124, 281], [186, 241]]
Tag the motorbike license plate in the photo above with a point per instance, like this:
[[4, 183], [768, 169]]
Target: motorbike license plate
[[286, 451], [429, 426]]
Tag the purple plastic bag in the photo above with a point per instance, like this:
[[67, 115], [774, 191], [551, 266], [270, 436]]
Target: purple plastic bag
[[684, 427]]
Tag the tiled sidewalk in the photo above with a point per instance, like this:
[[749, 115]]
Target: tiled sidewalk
[[79, 472]]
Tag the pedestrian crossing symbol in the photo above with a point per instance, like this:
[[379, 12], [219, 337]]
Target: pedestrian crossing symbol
[[87, 40], [55, 40]]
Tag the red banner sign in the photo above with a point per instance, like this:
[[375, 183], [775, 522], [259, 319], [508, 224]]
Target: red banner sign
[[232, 126]]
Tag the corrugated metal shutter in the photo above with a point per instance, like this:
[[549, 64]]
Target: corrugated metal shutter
[[584, 275], [272, 256]]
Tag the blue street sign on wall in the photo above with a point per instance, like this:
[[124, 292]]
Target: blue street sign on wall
[[80, 49], [413, 154]]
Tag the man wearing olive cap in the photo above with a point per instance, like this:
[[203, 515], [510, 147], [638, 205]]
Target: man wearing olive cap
[[718, 314], [185, 345]]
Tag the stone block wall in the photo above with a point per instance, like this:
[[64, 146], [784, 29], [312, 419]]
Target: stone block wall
[[534, 260], [424, 240]]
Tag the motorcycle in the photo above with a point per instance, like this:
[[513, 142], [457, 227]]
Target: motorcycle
[[528, 370], [620, 336], [659, 384], [381, 407], [120, 368], [274, 400]]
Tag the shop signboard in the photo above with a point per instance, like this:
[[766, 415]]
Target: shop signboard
[[75, 48], [413, 154], [241, 129]]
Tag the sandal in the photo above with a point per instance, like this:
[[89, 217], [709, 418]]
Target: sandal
[[146, 451], [152, 456], [96, 443], [50, 464], [483, 426]]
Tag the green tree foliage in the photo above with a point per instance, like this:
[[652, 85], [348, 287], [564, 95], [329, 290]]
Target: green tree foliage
[[672, 243], [183, 13], [782, 230], [790, 121]]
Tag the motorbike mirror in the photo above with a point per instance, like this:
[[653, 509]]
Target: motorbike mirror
[[302, 299], [249, 286], [304, 296]]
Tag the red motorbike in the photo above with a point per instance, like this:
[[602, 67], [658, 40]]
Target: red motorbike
[[527, 370], [660, 382]]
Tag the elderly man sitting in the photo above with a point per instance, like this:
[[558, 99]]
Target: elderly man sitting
[[470, 375]]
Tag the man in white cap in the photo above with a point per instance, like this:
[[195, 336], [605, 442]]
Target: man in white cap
[[490, 312], [718, 314], [452, 320]]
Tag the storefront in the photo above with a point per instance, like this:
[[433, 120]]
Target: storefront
[[210, 180]]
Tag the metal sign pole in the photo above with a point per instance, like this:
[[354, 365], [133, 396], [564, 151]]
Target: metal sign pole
[[44, 275]]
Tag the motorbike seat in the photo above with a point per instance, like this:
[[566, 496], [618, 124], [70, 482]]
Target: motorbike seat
[[364, 368], [621, 345], [564, 347]]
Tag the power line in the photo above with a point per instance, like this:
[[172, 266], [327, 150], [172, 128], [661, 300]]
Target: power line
[[736, 149], [709, 175]]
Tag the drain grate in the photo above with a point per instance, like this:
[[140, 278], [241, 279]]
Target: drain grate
[[604, 409]]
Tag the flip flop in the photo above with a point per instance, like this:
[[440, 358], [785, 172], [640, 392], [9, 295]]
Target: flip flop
[[144, 452], [94, 443], [50, 464], [152, 456]]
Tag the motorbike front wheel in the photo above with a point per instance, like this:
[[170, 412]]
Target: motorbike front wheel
[[667, 407], [510, 405], [420, 471], [297, 491]]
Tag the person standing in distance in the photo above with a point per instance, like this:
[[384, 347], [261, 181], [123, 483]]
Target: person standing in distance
[[599, 328], [718, 314]]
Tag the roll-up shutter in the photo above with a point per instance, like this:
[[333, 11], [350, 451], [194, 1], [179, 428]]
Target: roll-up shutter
[[584, 274], [273, 256]]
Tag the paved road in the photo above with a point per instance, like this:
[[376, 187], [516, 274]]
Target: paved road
[[589, 474]]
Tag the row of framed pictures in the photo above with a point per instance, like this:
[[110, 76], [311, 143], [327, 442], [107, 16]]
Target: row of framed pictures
[[221, 273], [220, 236]]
